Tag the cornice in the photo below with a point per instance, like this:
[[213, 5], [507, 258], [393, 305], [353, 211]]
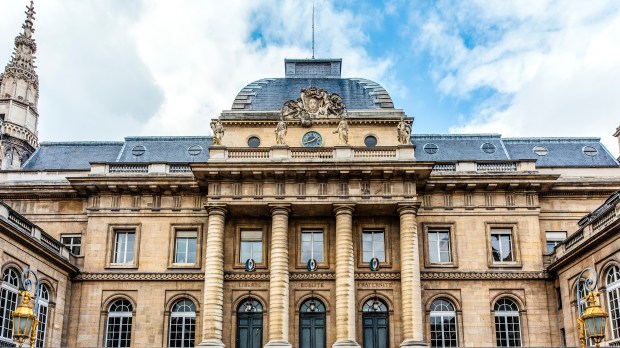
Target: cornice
[[141, 276], [488, 275]]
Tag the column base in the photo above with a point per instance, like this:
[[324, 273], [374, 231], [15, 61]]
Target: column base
[[278, 344], [345, 343], [413, 343], [212, 342]]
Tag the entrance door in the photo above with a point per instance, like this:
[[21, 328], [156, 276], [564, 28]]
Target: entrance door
[[250, 324], [375, 324], [312, 324]]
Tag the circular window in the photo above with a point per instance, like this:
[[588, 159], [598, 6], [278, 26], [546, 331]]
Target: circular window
[[488, 148], [254, 142], [138, 150], [194, 150], [540, 150], [590, 151], [370, 141], [430, 149]]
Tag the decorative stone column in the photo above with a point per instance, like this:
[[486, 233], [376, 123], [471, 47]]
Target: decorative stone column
[[213, 303], [345, 277], [411, 288], [278, 278]]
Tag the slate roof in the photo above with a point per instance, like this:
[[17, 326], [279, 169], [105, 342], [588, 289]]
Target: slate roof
[[79, 155], [72, 155], [560, 152], [271, 94]]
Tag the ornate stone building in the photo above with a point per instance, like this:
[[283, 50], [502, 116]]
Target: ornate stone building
[[312, 217]]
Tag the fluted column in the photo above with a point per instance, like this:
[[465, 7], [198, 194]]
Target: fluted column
[[345, 277], [213, 303], [411, 288], [278, 278]]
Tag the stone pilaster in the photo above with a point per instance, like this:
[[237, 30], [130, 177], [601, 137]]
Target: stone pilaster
[[411, 288], [278, 278], [213, 303], [345, 277]]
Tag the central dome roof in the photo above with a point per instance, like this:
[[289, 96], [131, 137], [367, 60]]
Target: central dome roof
[[271, 93]]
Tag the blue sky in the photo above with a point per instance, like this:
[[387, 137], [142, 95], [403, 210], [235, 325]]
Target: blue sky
[[115, 68]]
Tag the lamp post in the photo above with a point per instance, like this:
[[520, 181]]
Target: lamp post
[[592, 319], [25, 316]]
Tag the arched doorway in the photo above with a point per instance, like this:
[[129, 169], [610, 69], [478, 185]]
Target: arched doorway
[[250, 324], [312, 324], [375, 324]]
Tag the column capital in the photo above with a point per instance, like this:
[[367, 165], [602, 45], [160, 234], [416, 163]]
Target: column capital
[[277, 209], [216, 209], [344, 209], [408, 208]]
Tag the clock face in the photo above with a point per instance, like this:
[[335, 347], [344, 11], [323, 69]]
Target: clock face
[[312, 139]]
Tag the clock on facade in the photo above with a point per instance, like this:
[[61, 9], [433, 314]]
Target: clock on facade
[[312, 139]]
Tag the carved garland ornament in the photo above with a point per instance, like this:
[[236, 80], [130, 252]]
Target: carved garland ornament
[[313, 103]]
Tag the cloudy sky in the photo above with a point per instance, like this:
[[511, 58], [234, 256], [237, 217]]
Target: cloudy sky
[[114, 68]]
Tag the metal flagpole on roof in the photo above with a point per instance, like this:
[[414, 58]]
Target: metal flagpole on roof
[[312, 29]]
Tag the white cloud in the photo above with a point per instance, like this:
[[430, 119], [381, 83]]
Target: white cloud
[[555, 65], [114, 68]]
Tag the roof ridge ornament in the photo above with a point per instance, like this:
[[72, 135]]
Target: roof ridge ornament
[[314, 103]]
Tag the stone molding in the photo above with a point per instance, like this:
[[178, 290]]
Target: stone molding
[[535, 275], [142, 276]]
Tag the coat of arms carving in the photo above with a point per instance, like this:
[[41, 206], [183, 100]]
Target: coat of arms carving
[[314, 103]]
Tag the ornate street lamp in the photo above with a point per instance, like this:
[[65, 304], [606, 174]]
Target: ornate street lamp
[[592, 320], [25, 316]]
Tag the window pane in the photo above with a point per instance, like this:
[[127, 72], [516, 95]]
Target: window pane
[[245, 251], [191, 250], [306, 237], [257, 251]]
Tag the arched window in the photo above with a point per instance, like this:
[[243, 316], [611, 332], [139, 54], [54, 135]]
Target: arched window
[[507, 323], [375, 324], [44, 300], [8, 302], [182, 331], [443, 324], [118, 325], [612, 283]]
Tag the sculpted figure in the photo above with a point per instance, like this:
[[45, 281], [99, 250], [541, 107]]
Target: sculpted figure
[[404, 132], [281, 132], [343, 132], [218, 132]]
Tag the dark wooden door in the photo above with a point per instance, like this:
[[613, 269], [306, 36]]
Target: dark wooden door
[[375, 330], [312, 330], [249, 330]]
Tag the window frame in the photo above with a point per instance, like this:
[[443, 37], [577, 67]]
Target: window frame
[[174, 229], [432, 314], [556, 241], [251, 227], [184, 316], [386, 245], [107, 317], [506, 314], [72, 235], [43, 304], [325, 228], [113, 229], [9, 290], [451, 228], [514, 241], [611, 290]]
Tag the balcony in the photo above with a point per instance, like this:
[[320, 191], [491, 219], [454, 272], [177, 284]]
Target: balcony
[[283, 153]]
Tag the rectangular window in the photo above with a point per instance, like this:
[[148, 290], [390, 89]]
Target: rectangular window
[[124, 244], [73, 242], [185, 247], [312, 245], [439, 246], [251, 246], [501, 245], [553, 239], [558, 294], [373, 245], [562, 338]]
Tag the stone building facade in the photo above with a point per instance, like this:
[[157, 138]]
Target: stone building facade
[[312, 217]]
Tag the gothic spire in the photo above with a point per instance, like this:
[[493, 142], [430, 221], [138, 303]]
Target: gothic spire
[[22, 61]]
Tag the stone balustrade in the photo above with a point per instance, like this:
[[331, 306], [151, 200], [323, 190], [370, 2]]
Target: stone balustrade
[[486, 167], [26, 227], [285, 153], [100, 169]]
